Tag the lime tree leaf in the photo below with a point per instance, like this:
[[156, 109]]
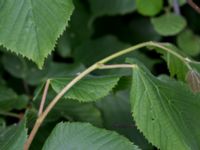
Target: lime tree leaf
[[149, 7], [118, 104], [85, 136], [165, 111], [111, 7], [169, 24], [189, 42], [88, 89], [13, 137], [31, 28]]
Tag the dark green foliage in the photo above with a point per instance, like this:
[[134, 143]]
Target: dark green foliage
[[152, 102]]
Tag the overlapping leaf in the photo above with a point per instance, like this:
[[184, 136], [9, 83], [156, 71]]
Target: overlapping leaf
[[88, 89], [165, 111], [85, 136], [13, 137]]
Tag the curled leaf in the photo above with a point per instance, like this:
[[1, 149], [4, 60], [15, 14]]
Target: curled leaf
[[193, 79]]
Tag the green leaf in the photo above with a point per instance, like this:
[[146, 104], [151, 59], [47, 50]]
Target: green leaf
[[13, 137], [149, 7], [177, 68], [31, 28], [165, 111], [189, 42], [85, 136], [118, 104], [88, 89], [169, 24], [110, 7]]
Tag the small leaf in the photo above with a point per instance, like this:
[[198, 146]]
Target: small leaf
[[13, 137], [31, 28], [169, 24], [165, 111], [149, 7], [177, 68], [83, 136], [88, 89], [189, 42], [193, 79]]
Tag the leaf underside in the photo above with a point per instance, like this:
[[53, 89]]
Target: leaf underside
[[88, 89], [81, 136]]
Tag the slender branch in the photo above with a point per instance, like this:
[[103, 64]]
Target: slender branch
[[117, 66], [10, 114], [183, 59], [176, 7], [53, 102], [44, 96], [194, 6], [97, 65]]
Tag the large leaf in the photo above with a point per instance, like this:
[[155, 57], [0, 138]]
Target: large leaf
[[169, 24], [88, 89], [84, 136], [31, 28], [166, 111], [118, 104], [13, 137]]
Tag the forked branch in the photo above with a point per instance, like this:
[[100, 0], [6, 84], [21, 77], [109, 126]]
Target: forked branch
[[99, 65]]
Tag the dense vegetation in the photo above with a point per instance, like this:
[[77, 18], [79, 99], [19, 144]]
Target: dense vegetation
[[99, 74]]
